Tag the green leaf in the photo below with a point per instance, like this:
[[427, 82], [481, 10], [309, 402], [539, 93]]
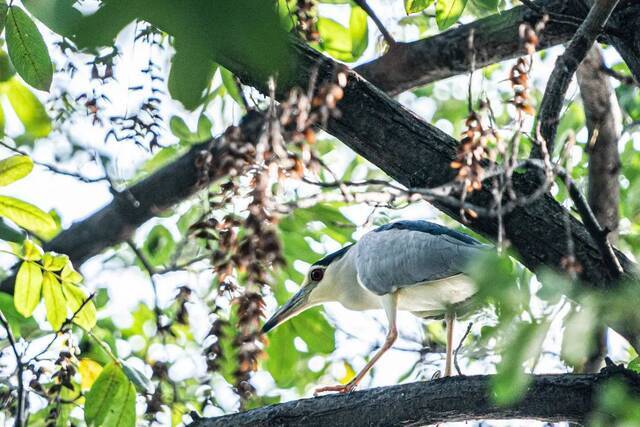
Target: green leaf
[[189, 76], [415, 6], [54, 262], [448, 12], [159, 245], [180, 129], [335, 39], [6, 68], [229, 82], [20, 326], [86, 318], [204, 128], [510, 381], [28, 108], [3, 14], [69, 274], [634, 365], [28, 288], [487, 5], [137, 378], [14, 168], [31, 251], [27, 50], [359, 31], [10, 234], [54, 300], [111, 402]]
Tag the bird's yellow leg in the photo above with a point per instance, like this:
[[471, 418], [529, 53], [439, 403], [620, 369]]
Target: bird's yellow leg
[[450, 318], [389, 304]]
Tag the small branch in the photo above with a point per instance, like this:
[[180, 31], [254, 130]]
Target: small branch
[[455, 353], [564, 69], [625, 80], [20, 410], [385, 33], [52, 168]]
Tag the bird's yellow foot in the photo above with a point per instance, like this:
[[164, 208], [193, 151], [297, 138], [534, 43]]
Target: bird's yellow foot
[[340, 388]]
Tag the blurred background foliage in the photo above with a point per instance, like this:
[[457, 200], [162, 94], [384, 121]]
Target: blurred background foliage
[[113, 90]]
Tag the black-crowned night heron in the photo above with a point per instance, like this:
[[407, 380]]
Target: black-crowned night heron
[[415, 266]]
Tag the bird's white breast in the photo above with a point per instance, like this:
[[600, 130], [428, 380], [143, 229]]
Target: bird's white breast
[[437, 295]]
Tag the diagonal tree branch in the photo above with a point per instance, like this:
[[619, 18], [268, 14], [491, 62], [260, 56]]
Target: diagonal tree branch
[[496, 38], [552, 398], [564, 69]]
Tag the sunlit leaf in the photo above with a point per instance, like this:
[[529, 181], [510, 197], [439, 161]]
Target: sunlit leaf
[[415, 6], [89, 372], [31, 251], [634, 365], [349, 373], [358, 28], [335, 39], [69, 274], [28, 108], [111, 402], [28, 50], [86, 317], [14, 168], [28, 288], [54, 262], [179, 128], [448, 12], [54, 300], [229, 81]]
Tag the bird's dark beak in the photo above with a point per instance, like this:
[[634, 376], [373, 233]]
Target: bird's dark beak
[[295, 305]]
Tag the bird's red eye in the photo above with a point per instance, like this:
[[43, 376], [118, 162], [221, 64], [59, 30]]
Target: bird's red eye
[[317, 274]]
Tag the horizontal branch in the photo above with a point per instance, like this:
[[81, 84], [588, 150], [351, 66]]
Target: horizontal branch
[[494, 39], [551, 398]]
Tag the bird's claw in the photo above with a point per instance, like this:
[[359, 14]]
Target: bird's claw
[[340, 388]]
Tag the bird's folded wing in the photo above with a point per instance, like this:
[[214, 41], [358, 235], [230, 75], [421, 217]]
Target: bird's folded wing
[[396, 258]]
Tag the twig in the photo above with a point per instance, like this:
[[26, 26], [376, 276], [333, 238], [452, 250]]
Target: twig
[[626, 80], [455, 353], [20, 420], [564, 69], [385, 33], [52, 168]]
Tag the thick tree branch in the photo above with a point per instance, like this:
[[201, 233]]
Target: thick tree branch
[[552, 398], [496, 38], [564, 69]]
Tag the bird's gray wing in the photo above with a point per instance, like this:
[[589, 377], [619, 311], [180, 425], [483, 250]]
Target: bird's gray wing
[[389, 259]]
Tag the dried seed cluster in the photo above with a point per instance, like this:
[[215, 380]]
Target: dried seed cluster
[[307, 20], [246, 246]]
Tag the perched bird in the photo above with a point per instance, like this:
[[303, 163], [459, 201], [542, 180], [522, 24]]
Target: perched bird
[[415, 266]]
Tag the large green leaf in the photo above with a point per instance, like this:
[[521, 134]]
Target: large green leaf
[[111, 402], [86, 318], [448, 12], [4, 8], [25, 214], [335, 39], [415, 6], [28, 50], [14, 168], [54, 300], [28, 288], [28, 108]]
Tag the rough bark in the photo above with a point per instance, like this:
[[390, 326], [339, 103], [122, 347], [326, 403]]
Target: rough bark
[[603, 122], [551, 398]]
